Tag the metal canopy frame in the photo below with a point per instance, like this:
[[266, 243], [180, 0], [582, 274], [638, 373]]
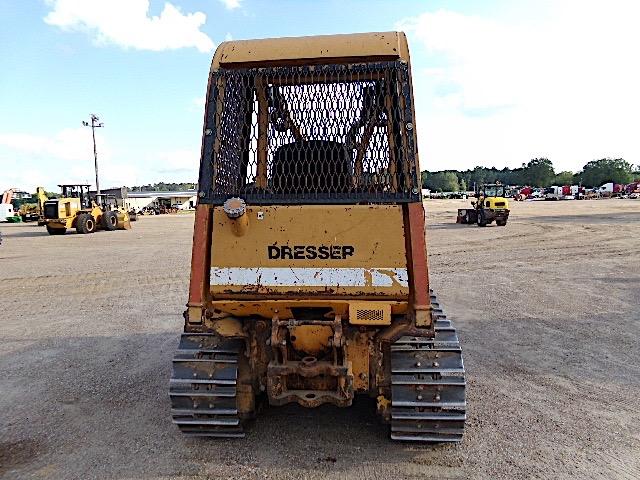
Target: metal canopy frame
[[310, 134]]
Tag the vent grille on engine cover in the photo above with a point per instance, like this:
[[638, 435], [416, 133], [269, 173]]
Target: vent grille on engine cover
[[370, 313], [310, 134]]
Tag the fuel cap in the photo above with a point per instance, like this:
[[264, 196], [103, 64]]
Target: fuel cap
[[234, 207]]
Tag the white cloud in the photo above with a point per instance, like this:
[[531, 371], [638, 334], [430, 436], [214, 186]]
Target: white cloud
[[62, 157], [231, 4], [48, 159], [71, 144], [197, 104], [127, 23], [178, 162], [501, 92]]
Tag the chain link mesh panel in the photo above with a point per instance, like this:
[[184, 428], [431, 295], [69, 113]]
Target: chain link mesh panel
[[312, 134]]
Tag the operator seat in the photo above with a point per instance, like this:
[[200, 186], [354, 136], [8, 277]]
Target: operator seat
[[311, 167]]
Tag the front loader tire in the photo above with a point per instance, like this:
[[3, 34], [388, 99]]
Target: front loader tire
[[85, 224], [501, 223], [110, 220], [482, 218], [56, 231]]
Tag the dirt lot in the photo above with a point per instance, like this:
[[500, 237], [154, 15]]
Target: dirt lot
[[547, 309]]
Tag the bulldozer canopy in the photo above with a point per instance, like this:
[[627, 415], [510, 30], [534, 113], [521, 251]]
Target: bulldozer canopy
[[310, 134], [344, 48]]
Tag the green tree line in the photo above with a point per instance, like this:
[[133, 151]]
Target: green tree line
[[538, 172], [163, 187]]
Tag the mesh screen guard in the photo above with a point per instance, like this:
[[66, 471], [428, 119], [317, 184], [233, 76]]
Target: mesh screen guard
[[310, 134]]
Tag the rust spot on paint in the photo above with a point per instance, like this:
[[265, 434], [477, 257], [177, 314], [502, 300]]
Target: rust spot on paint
[[392, 275]]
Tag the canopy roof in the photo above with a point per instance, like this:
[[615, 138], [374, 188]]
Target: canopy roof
[[345, 48]]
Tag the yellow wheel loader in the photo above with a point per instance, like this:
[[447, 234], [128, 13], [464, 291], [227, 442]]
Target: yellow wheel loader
[[490, 205], [309, 279], [76, 209], [32, 211], [41, 197]]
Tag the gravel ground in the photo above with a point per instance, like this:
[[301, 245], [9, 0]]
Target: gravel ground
[[547, 310]]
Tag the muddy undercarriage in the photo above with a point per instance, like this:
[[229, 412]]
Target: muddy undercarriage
[[415, 374]]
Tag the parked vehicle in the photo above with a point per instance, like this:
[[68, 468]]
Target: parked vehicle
[[309, 280], [553, 193], [490, 205], [77, 209]]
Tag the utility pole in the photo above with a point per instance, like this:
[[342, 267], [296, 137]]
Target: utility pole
[[95, 123]]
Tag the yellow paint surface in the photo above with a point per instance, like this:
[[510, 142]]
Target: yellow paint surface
[[369, 237], [355, 45]]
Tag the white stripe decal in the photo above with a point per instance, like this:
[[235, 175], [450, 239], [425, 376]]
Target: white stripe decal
[[310, 277]]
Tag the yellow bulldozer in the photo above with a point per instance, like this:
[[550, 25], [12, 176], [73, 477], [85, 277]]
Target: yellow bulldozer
[[309, 280], [77, 209]]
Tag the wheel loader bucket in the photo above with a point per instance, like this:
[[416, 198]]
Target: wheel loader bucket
[[124, 222]]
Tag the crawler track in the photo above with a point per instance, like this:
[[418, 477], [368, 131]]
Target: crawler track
[[203, 386], [428, 385]]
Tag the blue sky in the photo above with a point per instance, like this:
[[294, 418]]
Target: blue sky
[[496, 82]]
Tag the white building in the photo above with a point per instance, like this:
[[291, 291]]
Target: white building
[[180, 200]]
